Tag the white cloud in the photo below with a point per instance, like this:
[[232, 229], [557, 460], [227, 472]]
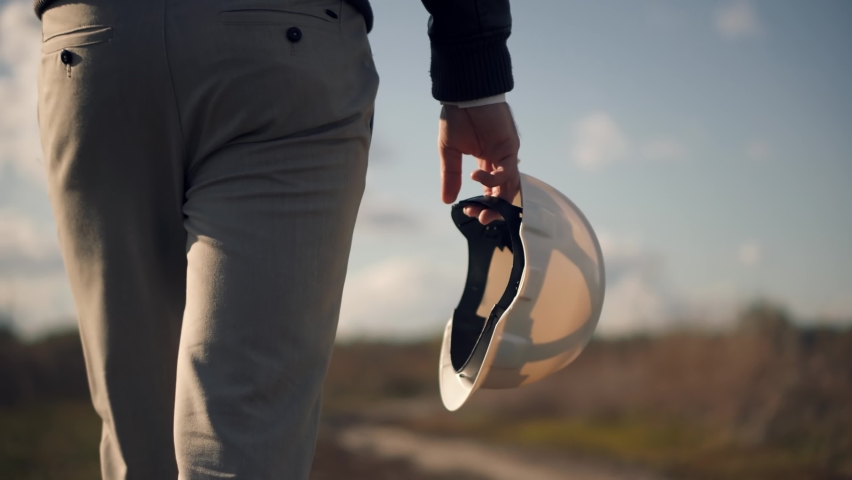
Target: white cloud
[[642, 297], [22, 237], [633, 305], [758, 150], [612, 247], [738, 19], [412, 297], [407, 297], [598, 141], [37, 304], [636, 298], [400, 298], [663, 149], [20, 42], [750, 253], [33, 286]]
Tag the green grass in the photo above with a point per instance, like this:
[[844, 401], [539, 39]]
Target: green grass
[[50, 441], [633, 440], [681, 449], [668, 446], [60, 441]]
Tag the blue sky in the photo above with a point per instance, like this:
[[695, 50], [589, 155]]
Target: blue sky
[[708, 143]]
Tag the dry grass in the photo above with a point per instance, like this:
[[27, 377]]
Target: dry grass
[[768, 401], [51, 441]]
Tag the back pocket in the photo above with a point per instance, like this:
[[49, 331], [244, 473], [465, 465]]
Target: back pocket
[[322, 14], [77, 37]]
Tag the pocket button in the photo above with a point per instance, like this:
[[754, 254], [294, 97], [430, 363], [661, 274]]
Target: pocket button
[[65, 57], [294, 34]]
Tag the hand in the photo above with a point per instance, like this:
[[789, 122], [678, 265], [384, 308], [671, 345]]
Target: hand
[[489, 134]]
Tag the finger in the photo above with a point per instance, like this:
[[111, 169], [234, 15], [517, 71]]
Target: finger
[[473, 210], [451, 163], [494, 178], [488, 215]]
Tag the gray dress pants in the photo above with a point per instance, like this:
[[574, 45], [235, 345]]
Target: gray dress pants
[[206, 161]]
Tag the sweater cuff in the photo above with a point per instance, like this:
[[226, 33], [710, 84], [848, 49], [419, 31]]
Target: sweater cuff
[[479, 102], [471, 69]]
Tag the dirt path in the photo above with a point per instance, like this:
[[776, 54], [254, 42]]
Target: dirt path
[[446, 456]]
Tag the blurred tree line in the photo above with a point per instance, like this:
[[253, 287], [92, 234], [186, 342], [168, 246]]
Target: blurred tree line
[[51, 368]]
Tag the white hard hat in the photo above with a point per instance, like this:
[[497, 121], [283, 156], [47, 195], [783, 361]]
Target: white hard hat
[[533, 296]]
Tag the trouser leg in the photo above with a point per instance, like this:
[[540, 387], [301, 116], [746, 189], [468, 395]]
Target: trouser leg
[[267, 260], [113, 151], [278, 134]]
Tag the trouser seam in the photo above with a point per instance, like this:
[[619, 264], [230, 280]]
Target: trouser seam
[[174, 91]]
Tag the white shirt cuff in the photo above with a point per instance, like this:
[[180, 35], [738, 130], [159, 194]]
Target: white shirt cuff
[[501, 98]]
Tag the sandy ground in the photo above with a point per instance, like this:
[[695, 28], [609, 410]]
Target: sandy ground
[[372, 445], [406, 454], [335, 462]]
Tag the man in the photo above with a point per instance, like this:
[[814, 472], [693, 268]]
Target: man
[[206, 160]]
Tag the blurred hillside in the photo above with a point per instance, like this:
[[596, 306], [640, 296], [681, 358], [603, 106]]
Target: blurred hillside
[[48, 370], [768, 400]]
